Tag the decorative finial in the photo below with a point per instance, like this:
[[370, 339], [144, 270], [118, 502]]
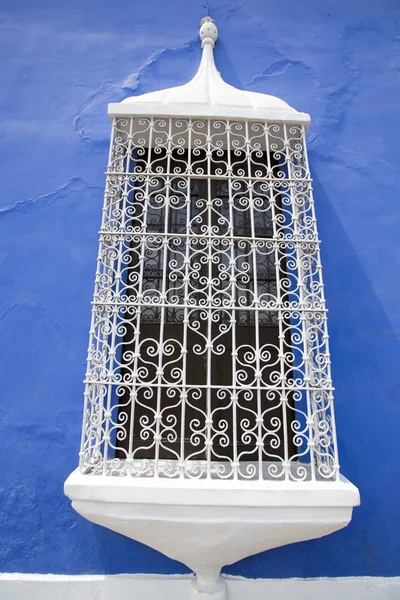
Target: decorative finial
[[208, 32]]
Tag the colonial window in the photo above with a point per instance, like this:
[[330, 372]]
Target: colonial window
[[208, 413], [208, 353]]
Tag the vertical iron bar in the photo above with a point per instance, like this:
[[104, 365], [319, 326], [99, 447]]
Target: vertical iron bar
[[302, 307], [259, 420], [92, 318], [281, 335], [158, 431], [116, 305], [208, 441], [233, 299], [138, 324], [186, 301], [323, 304]]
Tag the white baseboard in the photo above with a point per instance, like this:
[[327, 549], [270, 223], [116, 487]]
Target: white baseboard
[[21, 586]]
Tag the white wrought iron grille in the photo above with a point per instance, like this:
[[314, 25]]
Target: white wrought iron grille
[[208, 353]]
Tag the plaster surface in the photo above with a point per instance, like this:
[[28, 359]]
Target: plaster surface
[[61, 66], [20, 586]]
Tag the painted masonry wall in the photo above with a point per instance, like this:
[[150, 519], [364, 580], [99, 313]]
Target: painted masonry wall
[[61, 64]]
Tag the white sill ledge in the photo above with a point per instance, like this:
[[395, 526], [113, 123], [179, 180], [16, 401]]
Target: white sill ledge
[[210, 492], [209, 523]]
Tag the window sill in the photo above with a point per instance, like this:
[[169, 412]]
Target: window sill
[[207, 524]]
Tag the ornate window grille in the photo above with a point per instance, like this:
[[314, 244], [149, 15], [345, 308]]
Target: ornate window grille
[[208, 353]]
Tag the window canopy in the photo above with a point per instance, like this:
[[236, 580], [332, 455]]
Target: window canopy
[[208, 95]]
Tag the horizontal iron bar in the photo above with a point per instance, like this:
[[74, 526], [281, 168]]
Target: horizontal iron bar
[[194, 386], [213, 237], [224, 177], [210, 308]]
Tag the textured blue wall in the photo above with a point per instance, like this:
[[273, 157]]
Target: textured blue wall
[[61, 65]]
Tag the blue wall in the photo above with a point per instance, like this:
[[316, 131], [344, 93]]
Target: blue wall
[[61, 65]]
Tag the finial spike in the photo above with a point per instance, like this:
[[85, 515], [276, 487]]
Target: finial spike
[[208, 32]]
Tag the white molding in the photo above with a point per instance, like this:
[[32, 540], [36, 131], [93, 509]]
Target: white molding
[[22, 586], [208, 95], [228, 520], [155, 109]]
